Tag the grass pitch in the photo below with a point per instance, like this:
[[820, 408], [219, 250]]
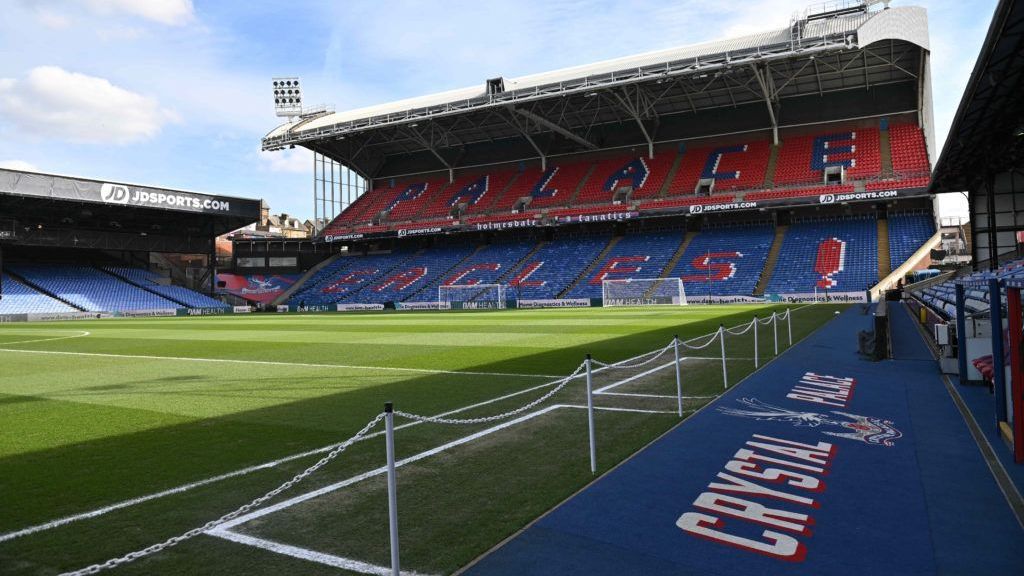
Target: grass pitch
[[97, 415]]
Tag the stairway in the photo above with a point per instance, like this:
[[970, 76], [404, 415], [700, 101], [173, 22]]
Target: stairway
[[501, 193], [579, 187], [41, 290], [678, 254], [773, 161], [885, 151], [141, 287], [773, 258], [671, 176], [433, 285], [503, 279], [884, 264], [284, 297], [590, 268]]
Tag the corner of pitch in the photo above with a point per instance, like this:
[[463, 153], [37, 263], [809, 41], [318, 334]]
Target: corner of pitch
[[762, 502]]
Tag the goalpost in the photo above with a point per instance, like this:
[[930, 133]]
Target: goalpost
[[471, 297], [643, 292]]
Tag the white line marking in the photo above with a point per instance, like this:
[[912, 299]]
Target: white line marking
[[672, 396], [613, 409], [306, 554], [274, 363], [240, 472], [81, 334], [378, 471]]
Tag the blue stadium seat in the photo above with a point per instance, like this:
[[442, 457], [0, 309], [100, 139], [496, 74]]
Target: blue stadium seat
[[907, 233], [151, 281], [835, 254], [635, 256], [555, 265], [91, 289], [18, 298], [725, 261]]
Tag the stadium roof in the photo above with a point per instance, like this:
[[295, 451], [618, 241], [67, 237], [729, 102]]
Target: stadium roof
[[845, 47], [988, 130]]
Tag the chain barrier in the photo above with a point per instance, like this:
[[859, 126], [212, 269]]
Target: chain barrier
[[340, 448], [767, 320], [741, 332], [484, 419], [132, 556], [621, 365], [701, 346]]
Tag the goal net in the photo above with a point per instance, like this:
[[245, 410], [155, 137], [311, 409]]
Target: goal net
[[643, 292], [471, 297]]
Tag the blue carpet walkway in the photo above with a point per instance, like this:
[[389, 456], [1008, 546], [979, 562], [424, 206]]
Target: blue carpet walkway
[[821, 463]]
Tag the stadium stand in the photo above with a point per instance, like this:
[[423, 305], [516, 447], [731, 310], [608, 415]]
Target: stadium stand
[[486, 266], [838, 254], [645, 176], [345, 276], [90, 289], [640, 255], [588, 184], [414, 275], [725, 261], [907, 232], [21, 299], [150, 281], [555, 266]]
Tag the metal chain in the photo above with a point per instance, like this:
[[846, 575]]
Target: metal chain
[[132, 556], [622, 363], [458, 421], [701, 346], [742, 332]]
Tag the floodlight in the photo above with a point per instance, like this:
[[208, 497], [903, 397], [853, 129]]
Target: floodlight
[[287, 97]]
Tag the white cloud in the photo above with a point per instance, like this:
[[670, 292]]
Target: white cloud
[[169, 12], [292, 160], [53, 19], [54, 103], [19, 165]]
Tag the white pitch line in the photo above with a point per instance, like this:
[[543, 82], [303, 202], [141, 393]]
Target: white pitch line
[[273, 363], [309, 555], [81, 334], [672, 396], [378, 471], [614, 409], [240, 472]]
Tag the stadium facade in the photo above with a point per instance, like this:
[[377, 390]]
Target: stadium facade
[[711, 162], [75, 247]]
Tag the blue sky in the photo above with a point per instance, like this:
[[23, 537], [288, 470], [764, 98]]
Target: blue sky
[[176, 92]]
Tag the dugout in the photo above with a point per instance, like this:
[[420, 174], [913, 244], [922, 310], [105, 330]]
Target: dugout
[[984, 157]]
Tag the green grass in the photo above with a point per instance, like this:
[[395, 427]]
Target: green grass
[[129, 410]]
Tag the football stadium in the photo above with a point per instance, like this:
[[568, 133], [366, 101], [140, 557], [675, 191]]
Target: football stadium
[[691, 311]]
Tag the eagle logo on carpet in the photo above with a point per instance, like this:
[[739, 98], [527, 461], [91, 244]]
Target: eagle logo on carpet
[[867, 429]]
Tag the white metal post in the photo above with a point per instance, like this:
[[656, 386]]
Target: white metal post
[[679, 376], [775, 331], [590, 417], [756, 322], [389, 430], [725, 374], [789, 325]]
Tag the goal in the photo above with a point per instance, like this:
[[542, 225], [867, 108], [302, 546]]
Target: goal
[[643, 292], [471, 297]]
